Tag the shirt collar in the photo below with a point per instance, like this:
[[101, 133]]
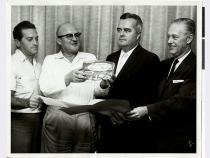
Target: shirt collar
[[60, 55], [127, 53], [183, 57], [22, 57]]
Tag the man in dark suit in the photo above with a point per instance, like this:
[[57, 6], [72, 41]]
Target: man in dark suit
[[174, 115], [137, 79]]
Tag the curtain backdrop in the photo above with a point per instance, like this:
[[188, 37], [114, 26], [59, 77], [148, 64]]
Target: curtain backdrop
[[98, 25]]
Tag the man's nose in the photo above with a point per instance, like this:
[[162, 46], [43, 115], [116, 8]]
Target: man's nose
[[35, 42], [74, 38], [122, 33], [170, 40]]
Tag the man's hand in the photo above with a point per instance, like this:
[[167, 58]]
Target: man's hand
[[137, 113], [34, 101], [75, 76], [117, 118], [105, 83]]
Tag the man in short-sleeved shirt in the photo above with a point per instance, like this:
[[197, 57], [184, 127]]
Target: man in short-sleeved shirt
[[25, 105]]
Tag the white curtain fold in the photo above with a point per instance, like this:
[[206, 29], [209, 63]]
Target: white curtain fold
[[98, 25]]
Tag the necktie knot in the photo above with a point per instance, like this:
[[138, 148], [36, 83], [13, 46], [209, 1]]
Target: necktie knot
[[172, 68]]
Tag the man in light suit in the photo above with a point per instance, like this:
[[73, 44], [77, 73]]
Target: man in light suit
[[174, 115], [137, 79]]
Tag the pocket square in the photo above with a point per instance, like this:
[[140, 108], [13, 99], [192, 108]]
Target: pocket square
[[178, 81]]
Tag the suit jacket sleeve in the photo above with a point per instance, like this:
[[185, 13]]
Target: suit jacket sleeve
[[181, 104], [139, 82], [148, 88]]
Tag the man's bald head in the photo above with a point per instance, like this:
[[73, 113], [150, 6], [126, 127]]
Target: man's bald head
[[62, 28], [68, 38]]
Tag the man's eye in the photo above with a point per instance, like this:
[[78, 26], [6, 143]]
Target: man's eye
[[127, 30], [175, 37], [29, 39], [119, 30], [69, 36]]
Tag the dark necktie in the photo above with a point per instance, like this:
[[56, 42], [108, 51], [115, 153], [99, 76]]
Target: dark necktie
[[172, 68]]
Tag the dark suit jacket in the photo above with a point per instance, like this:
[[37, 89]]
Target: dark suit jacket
[[138, 83], [174, 116], [138, 79]]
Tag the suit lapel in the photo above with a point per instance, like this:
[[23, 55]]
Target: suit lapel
[[184, 66], [164, 82], [115, 59], [130, 64]]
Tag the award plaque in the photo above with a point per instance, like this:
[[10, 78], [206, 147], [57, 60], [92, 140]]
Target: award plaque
[[97, 70]]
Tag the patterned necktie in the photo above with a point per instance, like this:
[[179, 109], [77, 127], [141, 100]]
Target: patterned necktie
[[172, 68]]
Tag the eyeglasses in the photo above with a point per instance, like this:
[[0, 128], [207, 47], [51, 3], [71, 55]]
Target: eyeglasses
[[71, 35]]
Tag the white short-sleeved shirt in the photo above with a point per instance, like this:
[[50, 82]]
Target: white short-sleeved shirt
[[52, 79], [24, 78]]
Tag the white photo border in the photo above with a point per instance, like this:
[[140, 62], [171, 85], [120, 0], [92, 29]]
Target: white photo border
[[196, 3]]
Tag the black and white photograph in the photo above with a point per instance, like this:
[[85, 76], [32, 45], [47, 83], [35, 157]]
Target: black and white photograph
[[102, 79]]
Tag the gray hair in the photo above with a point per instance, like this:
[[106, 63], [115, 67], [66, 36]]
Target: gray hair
[[189, 23]]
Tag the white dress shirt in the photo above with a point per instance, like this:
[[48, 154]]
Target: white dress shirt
[[24, 78], [122, 60], [181, 60], [52, 79]]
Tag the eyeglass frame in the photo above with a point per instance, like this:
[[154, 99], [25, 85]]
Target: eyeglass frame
[[71, 35]]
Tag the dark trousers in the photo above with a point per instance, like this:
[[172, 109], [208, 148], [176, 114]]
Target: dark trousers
[[26, 132], [134, 137]]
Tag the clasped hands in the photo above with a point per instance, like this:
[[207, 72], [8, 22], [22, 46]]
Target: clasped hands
[[135, 114], [35, 101]]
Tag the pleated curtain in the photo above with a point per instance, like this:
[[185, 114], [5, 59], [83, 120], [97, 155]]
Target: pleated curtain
[[98, 26]]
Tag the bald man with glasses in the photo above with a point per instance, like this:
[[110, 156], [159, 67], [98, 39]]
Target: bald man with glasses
[[62, 79]]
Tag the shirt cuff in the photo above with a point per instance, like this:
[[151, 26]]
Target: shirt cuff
[[100, 91], [149, 118]]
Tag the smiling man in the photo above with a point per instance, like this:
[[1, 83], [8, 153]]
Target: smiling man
[[174, 115], [26, 116], [62, 79]]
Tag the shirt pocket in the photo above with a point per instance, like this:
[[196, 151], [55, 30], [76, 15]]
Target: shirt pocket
[[25, 83], [176, 84]]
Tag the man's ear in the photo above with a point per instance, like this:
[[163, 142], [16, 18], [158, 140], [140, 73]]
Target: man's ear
[[190, 38], [139, 36], [58, 40], [17, 43]]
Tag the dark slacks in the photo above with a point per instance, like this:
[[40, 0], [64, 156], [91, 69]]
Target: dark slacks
[[134, 137], [26, 132]]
